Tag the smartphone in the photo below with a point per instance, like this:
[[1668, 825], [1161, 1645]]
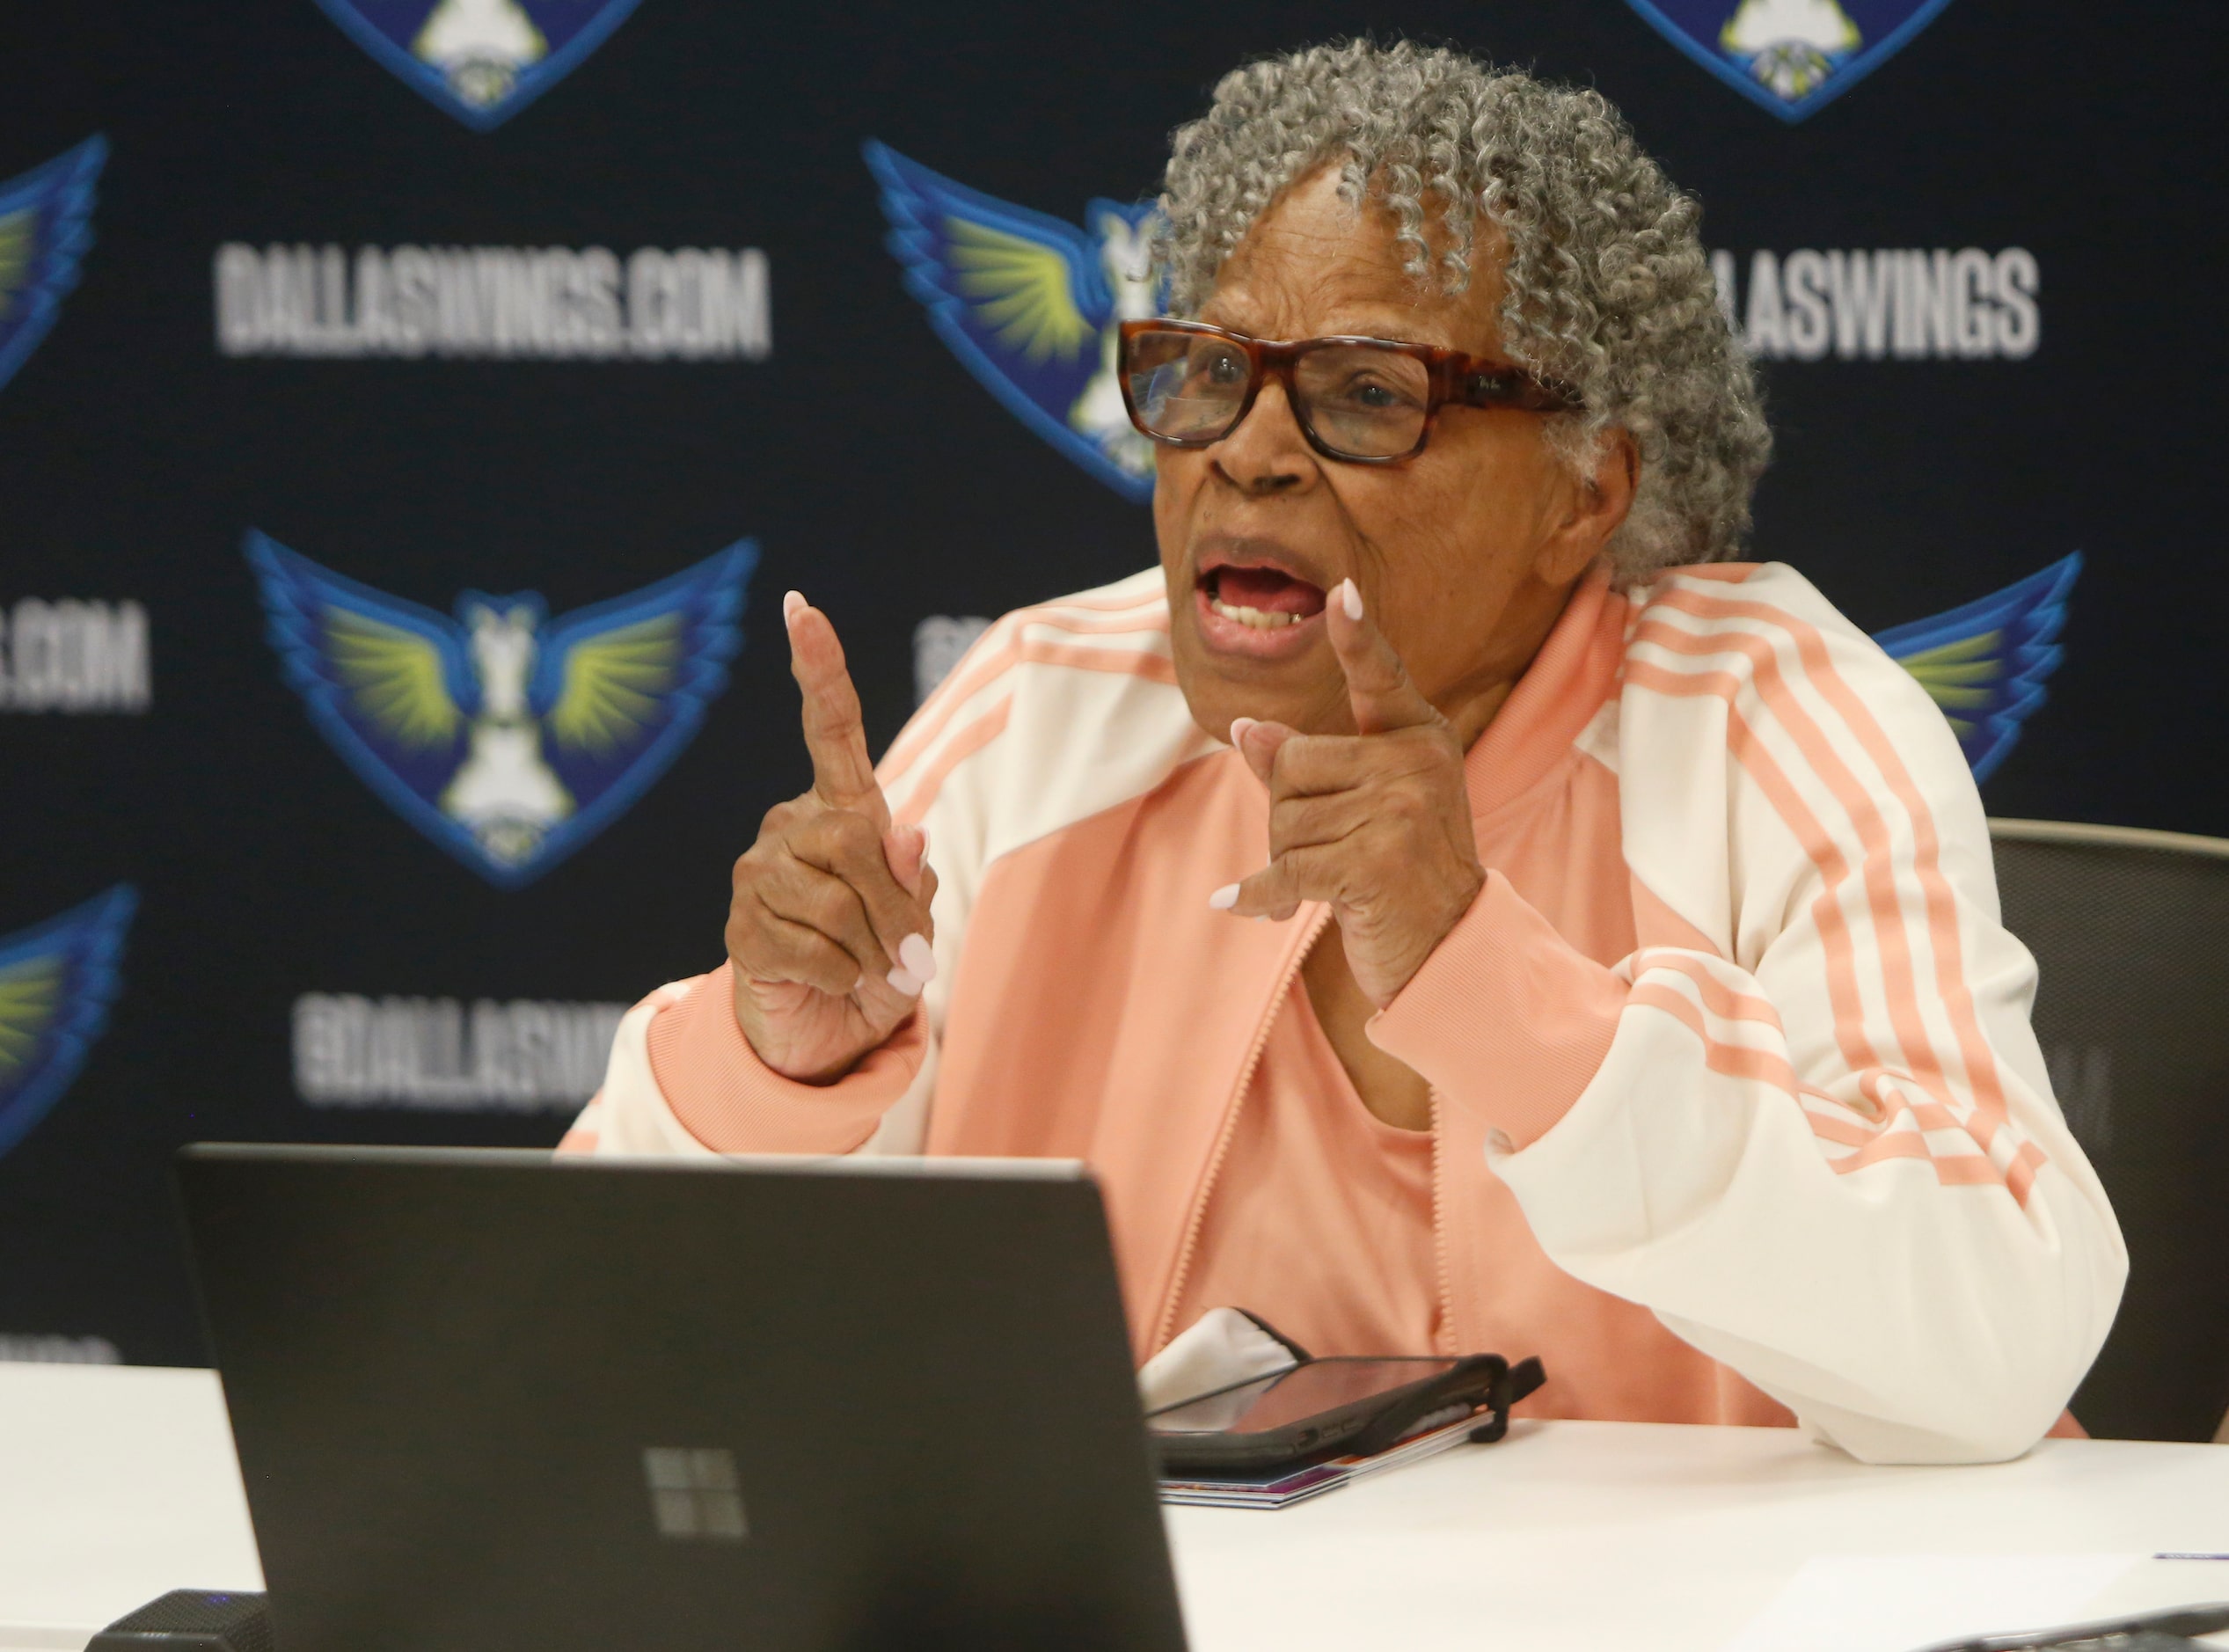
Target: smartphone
[[1320, 1408]]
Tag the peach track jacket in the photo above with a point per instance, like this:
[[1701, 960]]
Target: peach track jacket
[[1736, 1108]]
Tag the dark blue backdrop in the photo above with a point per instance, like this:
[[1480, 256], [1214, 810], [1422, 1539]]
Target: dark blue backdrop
[[524, 310]]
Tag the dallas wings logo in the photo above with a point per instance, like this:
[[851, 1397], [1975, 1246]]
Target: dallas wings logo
[[1984, 663], [1790, 56], [481, 60], [45, 224], [507, 737], [1029, 305], [56, 982]]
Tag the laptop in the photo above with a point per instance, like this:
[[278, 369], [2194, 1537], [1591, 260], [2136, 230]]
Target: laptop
[[488, 1400]]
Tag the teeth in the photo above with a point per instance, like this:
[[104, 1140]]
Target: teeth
[[1258, 618]]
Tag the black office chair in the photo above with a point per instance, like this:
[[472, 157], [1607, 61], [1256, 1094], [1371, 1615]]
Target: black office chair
[[2130, 930]]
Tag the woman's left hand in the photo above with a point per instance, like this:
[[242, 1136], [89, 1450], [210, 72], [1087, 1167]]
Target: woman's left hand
[[1377, 823]]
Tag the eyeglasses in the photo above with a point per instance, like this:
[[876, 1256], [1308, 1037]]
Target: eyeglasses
[[1367, 401]]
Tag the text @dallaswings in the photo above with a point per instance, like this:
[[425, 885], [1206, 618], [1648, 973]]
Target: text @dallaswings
[[525, 1054]]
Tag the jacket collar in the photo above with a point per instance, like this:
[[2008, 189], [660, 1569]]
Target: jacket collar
[[1575, 672]]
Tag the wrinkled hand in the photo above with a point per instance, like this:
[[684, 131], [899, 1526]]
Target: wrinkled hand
[[828, 927], [1377, 823]]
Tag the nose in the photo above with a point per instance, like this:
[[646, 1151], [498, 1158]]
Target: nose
[[1265, 455]]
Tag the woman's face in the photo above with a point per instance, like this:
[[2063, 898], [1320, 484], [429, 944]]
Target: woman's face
[[1463, 554]]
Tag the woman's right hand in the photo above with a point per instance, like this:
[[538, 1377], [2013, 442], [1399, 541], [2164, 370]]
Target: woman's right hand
[[828, 928]]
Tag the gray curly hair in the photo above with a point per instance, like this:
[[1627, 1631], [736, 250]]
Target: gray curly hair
[[1607, 287]]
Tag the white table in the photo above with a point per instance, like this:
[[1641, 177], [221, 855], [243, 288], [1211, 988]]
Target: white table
[[117, 1484]]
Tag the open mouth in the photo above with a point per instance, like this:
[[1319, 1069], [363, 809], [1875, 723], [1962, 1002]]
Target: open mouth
[[1262, 598]]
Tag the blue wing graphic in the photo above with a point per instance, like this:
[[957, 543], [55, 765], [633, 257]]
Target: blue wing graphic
[[56, 982], [507, 739], [45, 224], [484, 85], [621, 687], [1839, 45], [1985, 663], [1024, 300], [389, 684]]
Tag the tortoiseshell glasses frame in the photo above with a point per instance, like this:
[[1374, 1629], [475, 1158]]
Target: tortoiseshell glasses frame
[[1359, 400]]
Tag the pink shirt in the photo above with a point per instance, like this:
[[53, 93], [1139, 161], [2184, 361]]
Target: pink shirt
[[1321, 1221]]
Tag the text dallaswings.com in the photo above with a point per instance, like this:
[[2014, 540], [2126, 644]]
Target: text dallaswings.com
[[558, 304], [69, 655], [31, 1349]]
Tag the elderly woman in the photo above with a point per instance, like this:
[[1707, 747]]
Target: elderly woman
[[1450, 904]]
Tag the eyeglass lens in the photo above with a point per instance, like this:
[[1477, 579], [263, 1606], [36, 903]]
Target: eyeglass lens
[[1359, 400]]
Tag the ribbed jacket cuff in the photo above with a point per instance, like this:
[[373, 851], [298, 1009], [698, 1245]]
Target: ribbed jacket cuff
[[1506, 1018], [732, 1102]]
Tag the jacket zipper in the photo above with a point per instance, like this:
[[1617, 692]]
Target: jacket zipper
[[1182, 1276]]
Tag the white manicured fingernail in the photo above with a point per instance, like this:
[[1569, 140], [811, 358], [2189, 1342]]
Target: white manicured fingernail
[[1224, 898], [920, 961], [1350, 598], [924, 830], [793, 604], [1238, 727], [903, 981]]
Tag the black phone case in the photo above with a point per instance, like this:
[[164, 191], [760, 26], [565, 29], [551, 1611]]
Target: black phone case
[[1364, 1427]]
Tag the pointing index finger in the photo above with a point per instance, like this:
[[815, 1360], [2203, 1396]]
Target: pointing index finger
[[1378, 684], [835, 733]]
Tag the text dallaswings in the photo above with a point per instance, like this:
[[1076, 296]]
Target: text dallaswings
[[1900, 304], [558, 304]]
